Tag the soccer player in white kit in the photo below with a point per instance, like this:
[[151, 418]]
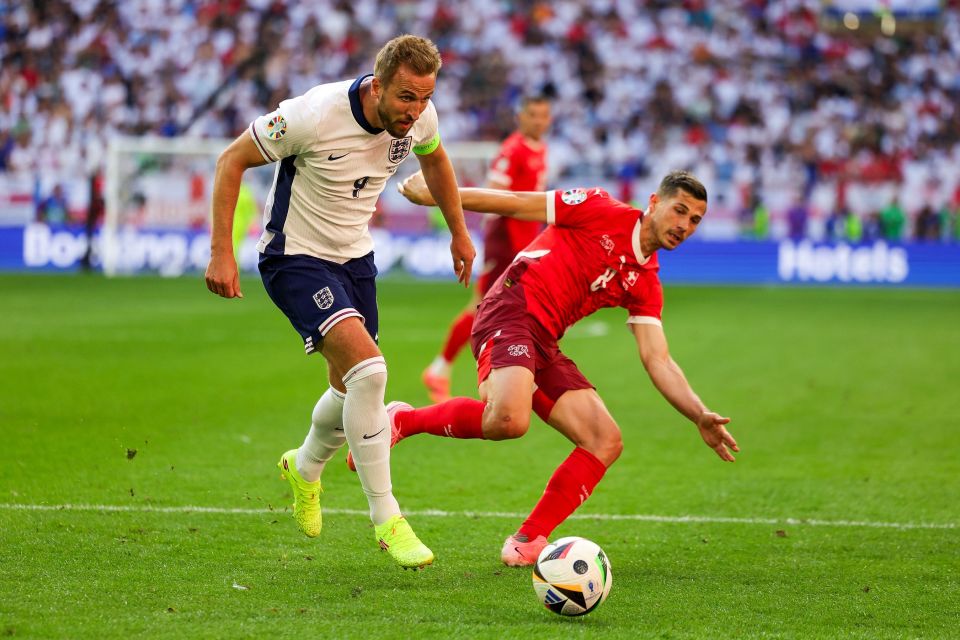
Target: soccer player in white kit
[[336, 146]]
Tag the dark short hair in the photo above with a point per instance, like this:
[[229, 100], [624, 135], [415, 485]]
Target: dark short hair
[[420, 54], [676, 180], [532, 98]]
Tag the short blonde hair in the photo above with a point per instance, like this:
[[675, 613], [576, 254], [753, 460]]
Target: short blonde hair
[[420, 54]]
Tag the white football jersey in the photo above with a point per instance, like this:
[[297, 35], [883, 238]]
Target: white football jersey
[[332, 165]]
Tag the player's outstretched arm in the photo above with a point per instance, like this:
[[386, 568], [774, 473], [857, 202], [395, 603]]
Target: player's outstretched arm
[[440, 180], [669, 380], [222, 275], [522, 205]]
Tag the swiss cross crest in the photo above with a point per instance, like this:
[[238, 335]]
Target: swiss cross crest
[[518, 350], [632, 278], [324, 298], [399, 148]]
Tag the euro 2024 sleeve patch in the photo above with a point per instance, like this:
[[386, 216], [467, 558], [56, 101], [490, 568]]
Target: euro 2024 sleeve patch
[[573, 196], [276, 127]]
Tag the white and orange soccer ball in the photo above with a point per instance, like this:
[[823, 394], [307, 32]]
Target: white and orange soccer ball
[[572, 576]]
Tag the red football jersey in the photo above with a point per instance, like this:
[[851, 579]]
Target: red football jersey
[[517, 167], [586, 259]]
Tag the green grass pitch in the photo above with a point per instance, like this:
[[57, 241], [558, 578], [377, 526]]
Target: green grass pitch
[[136, 399]]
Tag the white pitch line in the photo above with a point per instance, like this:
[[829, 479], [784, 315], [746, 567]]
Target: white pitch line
[[437, 513]]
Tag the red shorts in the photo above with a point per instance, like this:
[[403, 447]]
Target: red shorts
[[505, 335], [494, 264], [503, 238]]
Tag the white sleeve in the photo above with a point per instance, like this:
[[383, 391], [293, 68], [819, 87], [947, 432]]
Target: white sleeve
[[551, 207], [427, 131], [644, 320], [288, 131]]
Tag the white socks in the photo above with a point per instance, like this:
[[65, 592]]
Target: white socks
[[325, 437], [367, 429], [440, 367]]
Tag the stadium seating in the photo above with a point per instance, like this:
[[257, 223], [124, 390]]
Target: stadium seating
[[769, 102]]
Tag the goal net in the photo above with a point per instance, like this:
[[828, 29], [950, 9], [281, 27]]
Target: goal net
[[158, 191]]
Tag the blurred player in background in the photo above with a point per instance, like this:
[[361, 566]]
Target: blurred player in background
[[243, 217], [596, 252], [336, 147], [520, 165]]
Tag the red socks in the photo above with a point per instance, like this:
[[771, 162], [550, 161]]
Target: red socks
[[455, 418], [570, 485], [459, 335]]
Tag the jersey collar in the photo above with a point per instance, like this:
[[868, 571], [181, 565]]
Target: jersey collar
[[641, 259], [357, 107]]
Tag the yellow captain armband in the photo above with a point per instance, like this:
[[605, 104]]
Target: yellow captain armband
[[429, 146]]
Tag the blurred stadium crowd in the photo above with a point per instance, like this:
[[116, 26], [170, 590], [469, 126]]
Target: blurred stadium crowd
[[801, 125]]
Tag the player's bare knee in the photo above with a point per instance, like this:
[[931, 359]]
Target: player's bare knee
[[605, 447], [612, 450], [345, 345], [504, 425]]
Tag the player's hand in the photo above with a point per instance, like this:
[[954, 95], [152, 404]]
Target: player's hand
[[222, 276], [716, 435], [415, 190], [463, 252]]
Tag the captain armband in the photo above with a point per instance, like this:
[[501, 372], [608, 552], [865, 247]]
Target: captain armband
[[429, 146]]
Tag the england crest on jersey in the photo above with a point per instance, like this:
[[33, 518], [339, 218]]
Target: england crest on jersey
[[324, 298], [399, 149]]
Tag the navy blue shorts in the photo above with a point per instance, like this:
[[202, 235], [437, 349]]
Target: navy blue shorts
[[316, 294]]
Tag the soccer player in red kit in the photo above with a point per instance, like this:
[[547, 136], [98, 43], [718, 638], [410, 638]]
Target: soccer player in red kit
[[595, 252], [520, 165]]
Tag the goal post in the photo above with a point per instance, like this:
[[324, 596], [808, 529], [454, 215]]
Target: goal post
[[157, 194], [153, 184]]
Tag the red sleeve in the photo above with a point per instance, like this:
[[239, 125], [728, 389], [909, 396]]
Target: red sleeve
[[502, 168], [578, 207], [645, 303]]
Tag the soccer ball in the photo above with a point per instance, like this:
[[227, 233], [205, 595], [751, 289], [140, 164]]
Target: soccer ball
[[572, 576]]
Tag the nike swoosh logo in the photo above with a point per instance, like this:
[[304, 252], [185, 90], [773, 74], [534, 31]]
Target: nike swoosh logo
[[333, 157], [366, 437]]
